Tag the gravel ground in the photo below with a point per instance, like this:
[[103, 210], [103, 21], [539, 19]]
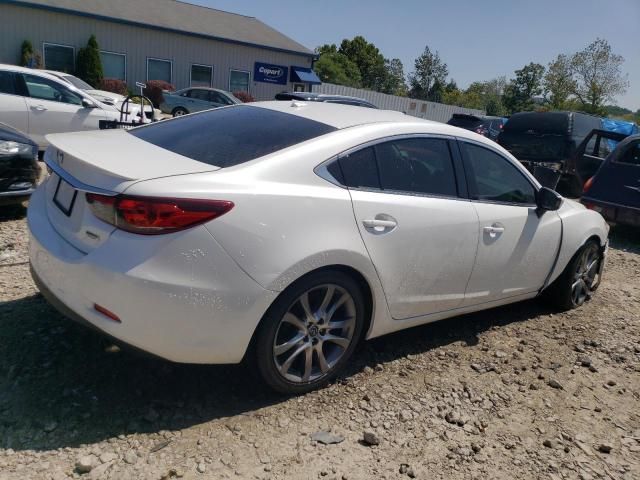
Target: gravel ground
[[514, 392]]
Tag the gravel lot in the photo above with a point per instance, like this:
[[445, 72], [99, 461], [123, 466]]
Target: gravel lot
[[514, 392]]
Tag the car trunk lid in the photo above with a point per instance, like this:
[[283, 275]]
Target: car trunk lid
[[105, 163]]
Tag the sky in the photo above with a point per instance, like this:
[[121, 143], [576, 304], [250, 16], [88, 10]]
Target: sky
[[478, 40]]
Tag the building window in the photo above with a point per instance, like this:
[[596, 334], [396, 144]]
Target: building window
[[201, 75], [114, 65], [238, 81], [159, 69], [59, 57]]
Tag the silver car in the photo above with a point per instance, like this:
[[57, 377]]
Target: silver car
[[195, 99]]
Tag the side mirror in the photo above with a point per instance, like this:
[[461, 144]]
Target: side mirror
[[86, 103], [548, 199]]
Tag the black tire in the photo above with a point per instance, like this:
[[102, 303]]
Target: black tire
[[265, 358], [561, 293], [179, 111]]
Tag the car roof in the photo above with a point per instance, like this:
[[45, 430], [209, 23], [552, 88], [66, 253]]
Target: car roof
[[313, 96], [203, 88], [33, 71]]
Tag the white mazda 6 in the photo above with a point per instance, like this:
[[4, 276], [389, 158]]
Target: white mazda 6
[[284, 233]]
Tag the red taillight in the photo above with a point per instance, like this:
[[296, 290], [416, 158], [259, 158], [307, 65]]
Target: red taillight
[[151, 216], [587, 185]]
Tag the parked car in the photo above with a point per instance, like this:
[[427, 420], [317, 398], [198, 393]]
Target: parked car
[[19, 168], [106, 97], [38, 104], [547, 140], [614, 190], [195, 99], [484, 125], [198, 242], [321, 97]]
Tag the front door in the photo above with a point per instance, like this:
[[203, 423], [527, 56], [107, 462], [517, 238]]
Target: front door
[[420, 236], [53, 108], [13, 107], [517, 243]]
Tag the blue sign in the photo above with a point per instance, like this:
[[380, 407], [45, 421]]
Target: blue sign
[[263, 72]]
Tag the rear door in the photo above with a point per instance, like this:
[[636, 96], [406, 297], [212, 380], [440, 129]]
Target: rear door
[[54, 108], [517, 244], [13, 106], [618, 181], [420, 235]]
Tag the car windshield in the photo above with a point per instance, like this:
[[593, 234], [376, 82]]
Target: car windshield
[[78, 83], [229, 136]]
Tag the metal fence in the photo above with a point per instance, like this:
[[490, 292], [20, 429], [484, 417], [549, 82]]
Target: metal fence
[[418, 108]]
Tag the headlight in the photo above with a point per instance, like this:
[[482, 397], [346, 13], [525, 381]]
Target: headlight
[[12, 148]]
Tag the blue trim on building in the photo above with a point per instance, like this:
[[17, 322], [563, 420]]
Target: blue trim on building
[[50, 8]]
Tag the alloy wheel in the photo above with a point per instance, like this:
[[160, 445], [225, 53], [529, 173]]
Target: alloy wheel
[[314, 334], [586, 276]]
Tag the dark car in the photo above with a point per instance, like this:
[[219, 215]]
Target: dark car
[[19, 169], [320, 97], [548, 138], [485, 125], [614, 190]]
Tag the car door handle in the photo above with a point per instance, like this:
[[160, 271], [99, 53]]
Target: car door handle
[[39, 108], [494, 230], [379, 223]]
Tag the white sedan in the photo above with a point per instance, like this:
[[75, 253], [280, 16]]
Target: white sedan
[[287, 232]]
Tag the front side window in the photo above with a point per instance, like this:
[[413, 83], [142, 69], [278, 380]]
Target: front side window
[[493, 178], [7, 83], [45, 89], [59, 58], [159, 70], [417, 165], [238, 81], [114, 65], [217, 97], [359, 169], [201, 75]]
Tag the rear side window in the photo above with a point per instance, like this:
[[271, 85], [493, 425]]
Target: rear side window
[[229, 136], [417, 165], [493, 178], [7, 83], [359, 169]]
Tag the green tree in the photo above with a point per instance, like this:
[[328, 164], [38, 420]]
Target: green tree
[[30, 57], [394, 83], [519, 92], [598, 76], [334, 67], [558, 82], [369, 60], [428, 69], [88, 65]]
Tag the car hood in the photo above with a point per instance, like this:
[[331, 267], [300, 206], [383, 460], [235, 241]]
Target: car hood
[[104, 95], [114, 159]]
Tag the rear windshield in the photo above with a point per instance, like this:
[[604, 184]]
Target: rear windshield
[[465, 122], [542, 122], [229, 136]]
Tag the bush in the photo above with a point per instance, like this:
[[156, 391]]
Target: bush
[[89, 65], [154, 89], [114, 85], [245, 97]]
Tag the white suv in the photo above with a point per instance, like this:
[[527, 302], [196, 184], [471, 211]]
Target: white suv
[[38, 104]]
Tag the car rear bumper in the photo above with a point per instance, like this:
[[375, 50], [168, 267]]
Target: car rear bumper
[[182, 298]]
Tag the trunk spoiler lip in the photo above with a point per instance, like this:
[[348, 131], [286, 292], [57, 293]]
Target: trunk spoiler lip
[[73, 181]]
